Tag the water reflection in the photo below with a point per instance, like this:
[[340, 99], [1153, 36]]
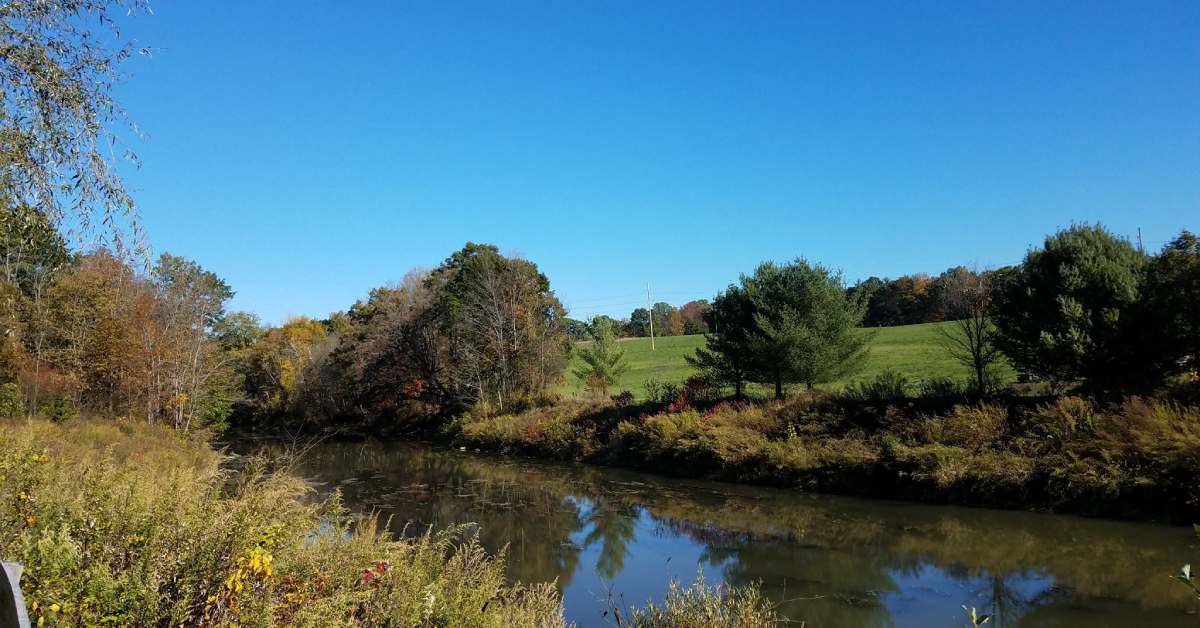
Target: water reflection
[[827, 561]]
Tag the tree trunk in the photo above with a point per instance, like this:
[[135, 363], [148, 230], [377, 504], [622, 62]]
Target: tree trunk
[[779, 387]]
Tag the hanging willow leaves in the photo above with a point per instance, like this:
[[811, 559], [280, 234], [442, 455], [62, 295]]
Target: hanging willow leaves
[[59, 123]]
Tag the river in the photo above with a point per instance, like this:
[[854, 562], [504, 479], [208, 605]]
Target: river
[[826, 560]]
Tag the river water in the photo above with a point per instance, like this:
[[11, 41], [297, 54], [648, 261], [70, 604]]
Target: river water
[[825, 560]]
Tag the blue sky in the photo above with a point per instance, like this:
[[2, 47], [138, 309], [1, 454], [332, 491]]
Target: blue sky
[[308, 151]]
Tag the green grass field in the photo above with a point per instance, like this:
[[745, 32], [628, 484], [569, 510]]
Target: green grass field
[[916, 351]]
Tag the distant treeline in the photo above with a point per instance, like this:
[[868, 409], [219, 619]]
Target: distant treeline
[[668, 320], [106, 334], [911, 299], [905, 300]]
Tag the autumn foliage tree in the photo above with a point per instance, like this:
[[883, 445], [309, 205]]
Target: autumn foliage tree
[[504, 328], [102, 337]]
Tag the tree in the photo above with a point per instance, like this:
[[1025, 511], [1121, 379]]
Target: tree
[[693, 313], [805, 325], [639, 322], [90, 337], [1066, 312], [32, 252], [186, 363], [394, 354], [576, 330], [279, 367], [674, 324], [1170, 323], [31, 248], [503, 324], [728, 355], [57, 112], [971, 335], [237, 330], [662, 314], [603, 361]]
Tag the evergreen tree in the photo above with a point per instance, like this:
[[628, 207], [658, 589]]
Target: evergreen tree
[[1171, 311], [805, 325], [604, 362], [1068, 312], [727, 356]]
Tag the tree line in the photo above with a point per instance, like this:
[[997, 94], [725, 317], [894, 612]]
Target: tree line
[[667, 320], [97, 332], [911, 299], [100, 333], [905, 300], [1087, 309]]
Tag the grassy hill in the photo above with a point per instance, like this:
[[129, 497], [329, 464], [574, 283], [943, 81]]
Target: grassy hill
[[917, 351]]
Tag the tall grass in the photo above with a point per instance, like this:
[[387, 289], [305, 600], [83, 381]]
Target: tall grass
[[700, 605], [134, 525]]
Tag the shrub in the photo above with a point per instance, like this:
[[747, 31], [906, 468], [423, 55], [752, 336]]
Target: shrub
[[702, 606], [941, 388], [1062, 419], [12, 402], [553, 431], [662, 393], [971, 427], [129, 524], [58, 409], [887, 386], [1151, 430], [755, 417], [701, 389], [623, 400]]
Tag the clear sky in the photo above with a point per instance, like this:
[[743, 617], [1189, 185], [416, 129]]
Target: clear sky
[[308, 151]]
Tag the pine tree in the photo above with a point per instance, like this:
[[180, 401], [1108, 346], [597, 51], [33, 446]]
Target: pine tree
[[805, 325], [604, 362], [727, 356]]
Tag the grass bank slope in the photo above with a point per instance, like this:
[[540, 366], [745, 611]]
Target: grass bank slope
[[1136, 458], [916, 351]]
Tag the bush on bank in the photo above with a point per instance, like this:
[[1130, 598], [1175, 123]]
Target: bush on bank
[[1133, 458]]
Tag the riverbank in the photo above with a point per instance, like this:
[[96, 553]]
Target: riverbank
[[132, 524], [1134, 459]]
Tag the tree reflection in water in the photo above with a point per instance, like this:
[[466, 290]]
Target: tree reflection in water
[[828, 561]]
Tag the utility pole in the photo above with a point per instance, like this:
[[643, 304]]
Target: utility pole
[[1141, 247], [650, 309]]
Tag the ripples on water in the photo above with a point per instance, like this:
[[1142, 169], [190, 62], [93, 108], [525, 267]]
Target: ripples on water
[[827, 561]]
